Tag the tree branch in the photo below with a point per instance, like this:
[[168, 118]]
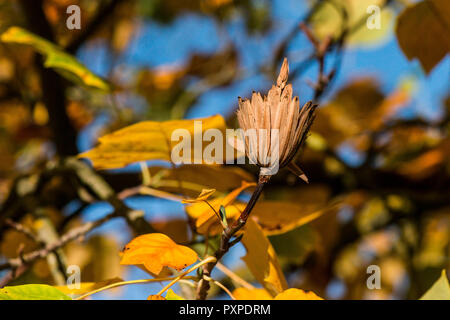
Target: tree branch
[[53, 88], [94, 24], [71, 235], [225, 244]]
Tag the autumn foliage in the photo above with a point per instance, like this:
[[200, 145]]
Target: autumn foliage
[[90, 192]]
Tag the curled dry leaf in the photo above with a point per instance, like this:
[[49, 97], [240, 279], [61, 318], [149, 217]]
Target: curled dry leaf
[[204, 216], [155, 251], [204, 195]]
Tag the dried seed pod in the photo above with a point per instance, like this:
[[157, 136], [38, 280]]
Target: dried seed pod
[[274, 126]]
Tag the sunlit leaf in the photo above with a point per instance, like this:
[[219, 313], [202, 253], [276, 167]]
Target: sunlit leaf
[[32, 292], [205, 217], [329, 20], [85, 287], [151, 140], [173, 296], [422, 32], [56, 58], [297, 294], [262, 294], [155, 297], [251, 294], [262, 260], [440, 289], [194, 178], [155, 251]]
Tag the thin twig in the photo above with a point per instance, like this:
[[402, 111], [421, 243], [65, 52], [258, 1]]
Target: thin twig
[[198, 265], [23, 229], [124, 283], [217, 283], [71, 235], [234, 276]]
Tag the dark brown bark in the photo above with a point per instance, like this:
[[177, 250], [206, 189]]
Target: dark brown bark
[[53, 88]]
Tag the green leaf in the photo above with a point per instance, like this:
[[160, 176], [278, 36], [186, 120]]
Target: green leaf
[[223, 215], [440, 289], [65, 64], [173, 296], [32, 292]]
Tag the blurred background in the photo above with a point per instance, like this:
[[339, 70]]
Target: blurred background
[[379, 144]]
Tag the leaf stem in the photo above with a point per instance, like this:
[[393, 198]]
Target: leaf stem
[[203, 285]]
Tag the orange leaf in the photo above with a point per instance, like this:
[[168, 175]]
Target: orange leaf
[[155, 297], [155, 251]]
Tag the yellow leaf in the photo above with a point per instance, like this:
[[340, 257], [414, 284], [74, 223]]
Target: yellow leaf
[[204, 195], [440, 290], [151, 140], [329, 20], [262, 260], [87, 286], [251, 294], [297, 294], [205, 216], [262, 294], [173, 296], [155, 251], [194, 178], [277, 217], [56, 58], [209, 223]]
